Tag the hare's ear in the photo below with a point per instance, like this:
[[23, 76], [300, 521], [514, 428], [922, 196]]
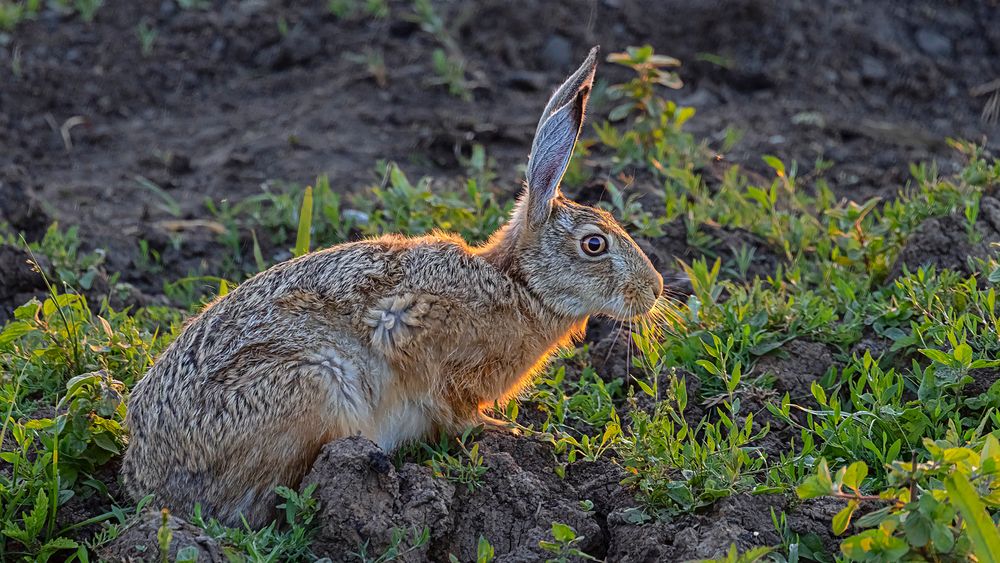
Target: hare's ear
[[555, 137]]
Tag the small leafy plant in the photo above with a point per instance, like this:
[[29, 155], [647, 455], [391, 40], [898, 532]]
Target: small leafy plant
[[465, 468], [935, 509], [564, 545]]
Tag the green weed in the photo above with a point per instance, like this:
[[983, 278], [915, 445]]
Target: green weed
[[564, 545], [401, 543], [285, 541], [464, 467]]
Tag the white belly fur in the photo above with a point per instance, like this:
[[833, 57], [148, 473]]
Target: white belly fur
[[359, 396], [403, 422]]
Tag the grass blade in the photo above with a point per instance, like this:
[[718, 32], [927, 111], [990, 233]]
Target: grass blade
[[305, 224], [982, 531], [167, 202]]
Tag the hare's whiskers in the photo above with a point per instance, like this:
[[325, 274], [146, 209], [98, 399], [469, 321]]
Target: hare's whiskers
[[617, 332], [630, 354]]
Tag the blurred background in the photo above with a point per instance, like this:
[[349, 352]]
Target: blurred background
[[143, 122]]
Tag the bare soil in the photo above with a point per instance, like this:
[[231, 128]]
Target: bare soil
[[949, 242]]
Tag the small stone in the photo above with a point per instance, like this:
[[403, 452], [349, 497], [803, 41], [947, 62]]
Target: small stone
[[271, 57], [810, 119], [556, 53], [297, 47], [933, 43], [850, 78], [219, 45], [700, 98], [873, 69], [167, 8], [838, 154]]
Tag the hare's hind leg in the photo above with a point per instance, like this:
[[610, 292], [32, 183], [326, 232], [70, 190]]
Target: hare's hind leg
[[349, 384], [365, 396], [271, 429]]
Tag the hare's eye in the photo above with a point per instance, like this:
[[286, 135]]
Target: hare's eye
[[594, 244]]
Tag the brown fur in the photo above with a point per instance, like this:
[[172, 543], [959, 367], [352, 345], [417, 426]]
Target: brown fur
[[393, 338]]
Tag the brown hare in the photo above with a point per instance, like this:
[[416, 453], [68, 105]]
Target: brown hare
[[393, 338]]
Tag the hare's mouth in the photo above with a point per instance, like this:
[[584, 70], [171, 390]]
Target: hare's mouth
[[628, 309]]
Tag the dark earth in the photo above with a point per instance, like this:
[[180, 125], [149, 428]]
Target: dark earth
[[225, 103]]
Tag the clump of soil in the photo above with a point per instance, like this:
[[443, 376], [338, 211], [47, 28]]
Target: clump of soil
[[139, 543], [873, 344], [946, 242], [744, 520], [364, 498], [982, 380], [795, 366]]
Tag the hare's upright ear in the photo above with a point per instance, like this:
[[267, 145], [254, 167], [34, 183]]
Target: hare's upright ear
[[555, 137]]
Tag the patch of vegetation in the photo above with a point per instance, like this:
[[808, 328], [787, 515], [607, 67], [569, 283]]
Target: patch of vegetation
[[935, 509], [456, 459], [286, 540], [13, 12], [447, 60], [350, 9], [401, 543], [563, 546], [272, 220]]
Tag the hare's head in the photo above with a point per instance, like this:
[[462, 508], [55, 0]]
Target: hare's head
[[576, 258]]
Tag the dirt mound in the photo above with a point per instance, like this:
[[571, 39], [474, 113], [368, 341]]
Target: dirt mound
[[982, 380], [139, 541], [364, 498], [744, 520], [948, 242]]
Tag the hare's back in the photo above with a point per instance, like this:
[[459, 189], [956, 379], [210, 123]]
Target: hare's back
[[366, 272]]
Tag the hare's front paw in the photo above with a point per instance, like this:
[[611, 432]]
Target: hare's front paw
[[495, 423]]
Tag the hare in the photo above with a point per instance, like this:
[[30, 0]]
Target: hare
[[393, 338]]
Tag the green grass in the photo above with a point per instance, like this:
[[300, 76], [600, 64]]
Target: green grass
[[898, 430], [14, 12]]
